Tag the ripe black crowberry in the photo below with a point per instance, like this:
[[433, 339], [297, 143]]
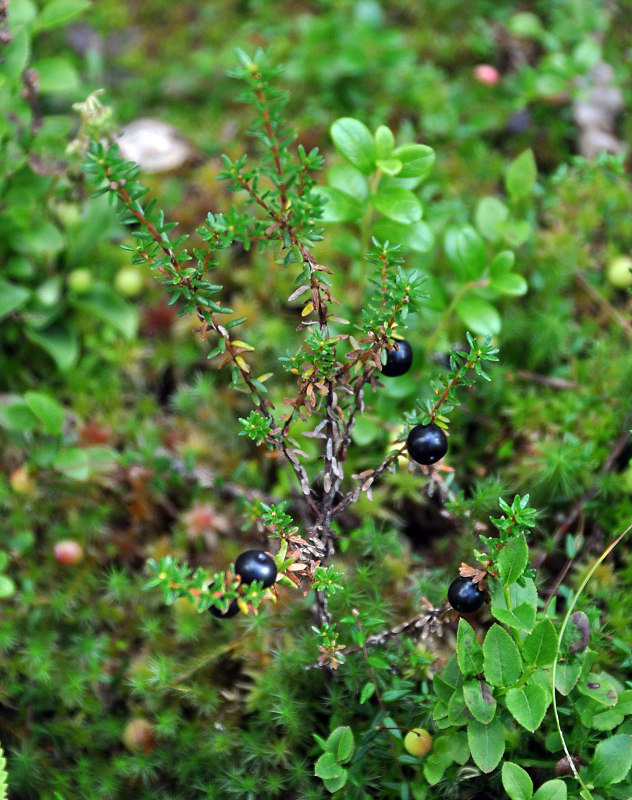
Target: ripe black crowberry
[[255, 565], [427, 443], [232, 609], [464, 596], [398, 360]]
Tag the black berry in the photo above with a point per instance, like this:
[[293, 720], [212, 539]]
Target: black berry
[[233, 609], [464, 596], [427, 443], [399, 359], [255, 565]]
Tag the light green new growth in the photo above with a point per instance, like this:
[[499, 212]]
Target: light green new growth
[[3, 775]]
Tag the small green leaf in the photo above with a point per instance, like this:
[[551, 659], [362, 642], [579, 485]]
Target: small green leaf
[[586, 54], [434, 767], [391, 166], [624, 702], [513, 559], [516, 782], [18, 416], [510, 284], [378, 662], [455, 744], [367, 692], [333, 784], [612, 760], [503, 663], [487, 743], [501, 264], [470, 252], [525, 25], [490, 212], [47, 410], [566, 675], [327, 768], [551, 790], [521, 617], [12, 298], [515, 231], [384, 142], [340, 206], [446, 750], [398, 204], [346, 745], [521, 176], [97, 460], [479, 700], [7, 587], [417, 160], [60, 341], [354, 142], [105, 304], [606, 720], [457, 710], [599, 688], [41, 239], [16, 53], [349, 180], [60, 12], [528, 705], [57, 75], [540, 647], [442, 689], [334, 739], [468, 651], [478, 315]]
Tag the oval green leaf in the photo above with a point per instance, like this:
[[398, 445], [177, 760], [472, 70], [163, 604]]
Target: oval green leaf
[[487, 743], [340, 206], [469, 652], [354, 142], [417, 160], [350, 181], [612, 761], [513, 559], [521, 176], [502, 660], [478, 315], [12, 298], [400, 205], [59, 341], [490, 213], [47, 410], [528, 705], [516, 782], [540, 646], [551, 790], [384, 142], [510, 284], [391, 166]]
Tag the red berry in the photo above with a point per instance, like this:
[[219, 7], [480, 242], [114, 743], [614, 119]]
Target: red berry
[[139, 735], [427, 443], [68, 552], [486, 74]]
